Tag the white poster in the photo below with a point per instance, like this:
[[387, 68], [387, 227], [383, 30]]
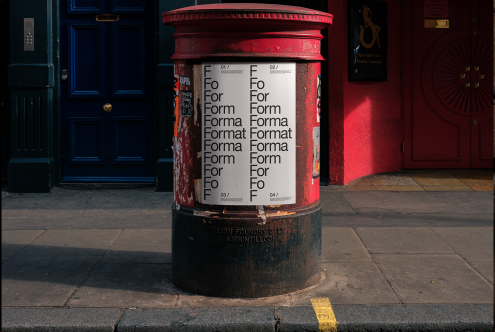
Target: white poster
[[249, 133]]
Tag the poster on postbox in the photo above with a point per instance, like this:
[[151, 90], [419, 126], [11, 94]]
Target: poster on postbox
[[248, 133]]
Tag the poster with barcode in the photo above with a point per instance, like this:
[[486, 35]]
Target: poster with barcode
[[249, 133]]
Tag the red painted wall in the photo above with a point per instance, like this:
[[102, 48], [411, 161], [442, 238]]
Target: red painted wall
[[365, 119]]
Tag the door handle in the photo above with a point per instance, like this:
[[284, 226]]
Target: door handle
[[107, 108], [65, 74], [476, 85], [467, 85], [462, 75]]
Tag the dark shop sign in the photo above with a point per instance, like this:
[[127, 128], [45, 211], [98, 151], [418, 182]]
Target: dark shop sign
[[367, 40]]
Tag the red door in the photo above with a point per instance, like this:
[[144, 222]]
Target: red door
[[448, 119]]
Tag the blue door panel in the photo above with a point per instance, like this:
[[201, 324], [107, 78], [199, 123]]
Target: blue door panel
[[108, 63], [129, 140], [86, 71], [86, 139], [129, 60], [85, 6], [128, 6]]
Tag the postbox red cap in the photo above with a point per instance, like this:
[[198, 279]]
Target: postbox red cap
[[247, 30], [245, 9]]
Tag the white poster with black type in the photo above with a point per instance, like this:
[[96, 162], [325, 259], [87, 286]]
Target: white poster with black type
[[249, 133]]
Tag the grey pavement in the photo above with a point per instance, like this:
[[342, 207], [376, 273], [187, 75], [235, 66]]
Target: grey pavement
[[100, 260]]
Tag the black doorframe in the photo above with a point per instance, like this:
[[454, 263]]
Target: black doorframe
[[5, 103]]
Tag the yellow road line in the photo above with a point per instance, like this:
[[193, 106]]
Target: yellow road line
[[324, 314]]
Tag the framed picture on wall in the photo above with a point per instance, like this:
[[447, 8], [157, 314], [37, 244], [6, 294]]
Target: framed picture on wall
[[367, 40]]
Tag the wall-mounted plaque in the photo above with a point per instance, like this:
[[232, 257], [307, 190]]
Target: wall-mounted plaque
[[436, 8], [367, 40]]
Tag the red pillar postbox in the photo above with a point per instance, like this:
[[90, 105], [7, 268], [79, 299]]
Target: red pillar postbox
[[246, 215]]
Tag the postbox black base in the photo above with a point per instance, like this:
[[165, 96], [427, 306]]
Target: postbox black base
[[219, 255]]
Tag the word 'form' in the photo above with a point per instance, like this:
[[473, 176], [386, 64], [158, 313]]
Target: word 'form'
[[249, 133]]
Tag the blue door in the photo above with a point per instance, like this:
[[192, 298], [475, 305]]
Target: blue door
[[107, 91]]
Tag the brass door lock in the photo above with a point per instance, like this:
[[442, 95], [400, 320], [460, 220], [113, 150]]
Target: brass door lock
[[107, 108]]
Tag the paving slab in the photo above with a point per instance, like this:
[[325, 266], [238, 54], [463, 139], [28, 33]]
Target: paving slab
[[461, 174], [402, 240], [149, 221], [47, 271], [475, 203], [473, 244], [198, 319], [477, 182], [84, 238], [391, 179], [333, 203], [485, 268], [43, 283], [57, 245], [371, 217], [60, 320], [126, 286], [15, 241], [455, 187], [141, 246], [44, 205], [434, 278], [69, 209], [349, 283], [399, 188], [129, 203], [342, 245], [482, 188], [434, 178], [359, 187], [364, 181]]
